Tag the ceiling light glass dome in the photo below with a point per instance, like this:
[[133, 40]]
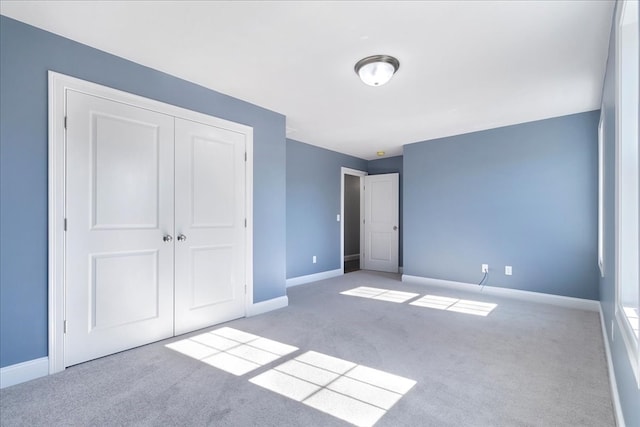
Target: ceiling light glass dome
[[377, 70]]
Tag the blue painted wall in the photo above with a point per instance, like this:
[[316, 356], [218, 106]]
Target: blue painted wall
[[313, 201], [26, 53], [627, 388], [522, 195], [390, 165]]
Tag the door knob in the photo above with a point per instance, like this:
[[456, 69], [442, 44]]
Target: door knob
[[182, 237], [395, 227], [167, 238]]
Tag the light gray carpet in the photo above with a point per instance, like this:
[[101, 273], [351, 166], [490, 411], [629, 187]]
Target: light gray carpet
[[523, 365]]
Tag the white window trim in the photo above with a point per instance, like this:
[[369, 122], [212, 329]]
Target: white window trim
[[601, 192], [622, 237]]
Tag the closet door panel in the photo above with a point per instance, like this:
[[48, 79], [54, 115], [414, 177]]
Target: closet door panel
[[119, 206], [210, 229]]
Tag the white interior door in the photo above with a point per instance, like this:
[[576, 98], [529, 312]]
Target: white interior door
[[381, 198], [210, 225], [119, 206]]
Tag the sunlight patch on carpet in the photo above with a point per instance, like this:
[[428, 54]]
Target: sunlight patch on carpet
[[232, 350], [380, 294], [477, 308], [353, 393]]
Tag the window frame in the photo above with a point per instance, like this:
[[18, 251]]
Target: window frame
[[601, 133], [627, 183]]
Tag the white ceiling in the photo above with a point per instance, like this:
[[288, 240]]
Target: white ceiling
[[464, 66]]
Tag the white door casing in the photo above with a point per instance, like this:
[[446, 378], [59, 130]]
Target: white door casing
[[119, 271], [131, 221], [381, 222], [210, 230]]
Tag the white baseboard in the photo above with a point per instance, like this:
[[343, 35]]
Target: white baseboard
[[268, 305], [569, 302], [25, 371], [301, 280], [615, 397], [351, 257]]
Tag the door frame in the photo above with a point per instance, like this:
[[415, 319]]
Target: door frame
[[354, 172], [58, 85]]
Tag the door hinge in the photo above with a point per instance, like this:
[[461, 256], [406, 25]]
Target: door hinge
[[245, 288], [65, 122], [245, 156], [65, 224], [245, 223], [64, 327]]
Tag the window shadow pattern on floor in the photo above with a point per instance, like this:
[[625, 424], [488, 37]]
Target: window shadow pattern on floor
[[346, 390], [477, 308]]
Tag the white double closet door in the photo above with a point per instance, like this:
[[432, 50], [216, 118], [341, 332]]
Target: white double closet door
[[155, 240]]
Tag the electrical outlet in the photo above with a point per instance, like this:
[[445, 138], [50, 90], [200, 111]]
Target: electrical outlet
[[485, 268], [314, 259], [508, 270]]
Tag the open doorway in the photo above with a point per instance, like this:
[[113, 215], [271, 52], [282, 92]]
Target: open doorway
[[351, 223], [352, 207]]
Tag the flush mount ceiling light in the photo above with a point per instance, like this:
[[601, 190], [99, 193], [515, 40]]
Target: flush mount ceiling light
[[377, 70]]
